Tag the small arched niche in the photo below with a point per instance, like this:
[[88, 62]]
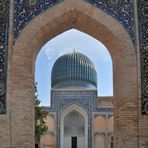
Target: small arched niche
[[99, 124], [111, 124]]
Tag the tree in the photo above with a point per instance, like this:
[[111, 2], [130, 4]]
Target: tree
[[40, 116]]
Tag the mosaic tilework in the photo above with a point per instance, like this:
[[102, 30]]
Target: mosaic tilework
[[26, 10], [104, 109], [85, 99], [84, 102], [143, 26], [4, 19], [122, 10]]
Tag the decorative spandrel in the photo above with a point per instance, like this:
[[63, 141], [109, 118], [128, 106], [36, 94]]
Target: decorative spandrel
[[2, 89], [4, 21], [122, 10], [26, 10], [2, 107], [143, 25], [84, 102]]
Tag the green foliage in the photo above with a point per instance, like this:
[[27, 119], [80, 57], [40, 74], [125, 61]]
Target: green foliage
[[40, 116]]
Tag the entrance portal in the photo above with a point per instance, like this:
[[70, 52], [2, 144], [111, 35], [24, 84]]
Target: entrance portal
[[74, 130], [74, 123], [74, 142]]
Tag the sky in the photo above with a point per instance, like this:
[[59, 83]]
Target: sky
[[63, 44]]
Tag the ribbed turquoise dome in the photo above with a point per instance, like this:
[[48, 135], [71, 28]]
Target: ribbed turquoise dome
[[73, 70]]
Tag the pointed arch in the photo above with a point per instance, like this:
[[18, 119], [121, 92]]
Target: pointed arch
[[67, 111], [95, 22]]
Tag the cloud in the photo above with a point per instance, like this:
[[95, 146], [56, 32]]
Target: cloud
[[83, 43]]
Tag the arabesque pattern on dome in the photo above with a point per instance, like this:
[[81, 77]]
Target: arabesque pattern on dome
[[74, 69]]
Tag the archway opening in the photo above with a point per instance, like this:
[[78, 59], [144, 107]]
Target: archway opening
[[71, 41], [74, 130], [64, 43]]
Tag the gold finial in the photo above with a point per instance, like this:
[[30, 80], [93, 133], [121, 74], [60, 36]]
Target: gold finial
[[74, 50]]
